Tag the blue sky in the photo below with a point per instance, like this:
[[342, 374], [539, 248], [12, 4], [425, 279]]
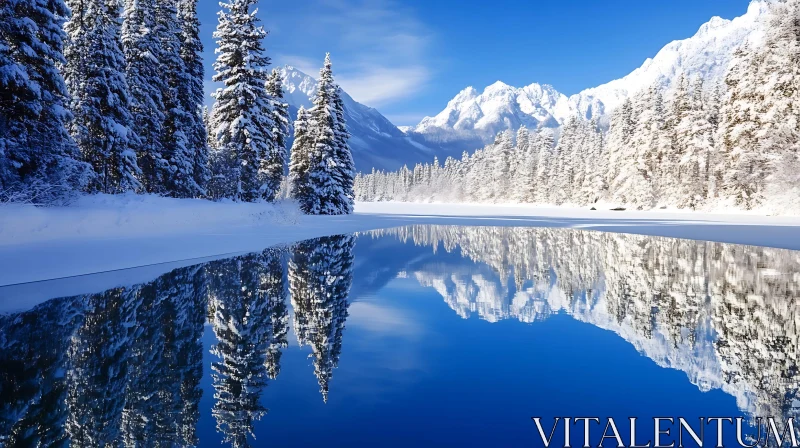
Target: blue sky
[[408, 58]]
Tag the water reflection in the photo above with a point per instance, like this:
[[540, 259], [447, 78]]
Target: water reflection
[[246, 295], [727, 315], [320, 276], [125, 366]]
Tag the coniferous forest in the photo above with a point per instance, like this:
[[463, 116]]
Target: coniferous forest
[[102, 96], [693, 146]]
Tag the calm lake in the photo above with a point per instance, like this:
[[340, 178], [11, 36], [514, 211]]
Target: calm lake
[[416, 336]]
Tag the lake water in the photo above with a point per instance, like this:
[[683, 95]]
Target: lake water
[[417, 336]]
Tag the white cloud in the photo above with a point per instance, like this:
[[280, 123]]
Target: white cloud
[[379, 47], [382, 319], [376, 86]]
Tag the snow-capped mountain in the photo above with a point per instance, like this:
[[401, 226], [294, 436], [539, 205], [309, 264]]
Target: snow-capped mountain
[[375, 141], [474, 118]]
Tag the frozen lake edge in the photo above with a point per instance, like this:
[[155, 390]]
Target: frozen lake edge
[[107, 234]]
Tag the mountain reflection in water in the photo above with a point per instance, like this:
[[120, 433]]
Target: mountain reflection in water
[[126, 366]]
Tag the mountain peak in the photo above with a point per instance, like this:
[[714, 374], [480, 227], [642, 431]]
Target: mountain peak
[[465, 95], [715, 23], [498, 86], [472, 117]]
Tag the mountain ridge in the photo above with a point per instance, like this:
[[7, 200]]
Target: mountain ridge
[[475, 118]]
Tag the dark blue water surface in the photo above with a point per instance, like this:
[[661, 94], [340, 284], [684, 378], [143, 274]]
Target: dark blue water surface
[[418, 336]]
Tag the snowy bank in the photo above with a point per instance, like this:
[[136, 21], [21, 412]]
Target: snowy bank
[[107, 233], [103, 234]]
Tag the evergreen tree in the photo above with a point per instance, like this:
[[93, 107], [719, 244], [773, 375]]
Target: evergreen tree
[[563, 169], [280, 110], [594, 164], [39, 162], [192, 94], [778, 94], [300, 162], [95, 77], [525, 163], [325, 173], [322, 171], [243, 115], [715, 166], [624, 173], [636, 184], [694, 135], [546, 143], [146, 82], [179, 112], [744, 168], [345, 172], [501, 162], [274, 164]]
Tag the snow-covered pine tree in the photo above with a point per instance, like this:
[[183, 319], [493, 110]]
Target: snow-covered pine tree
[[501, 155], [591, 164], [594, 182], [95, 76], [694, 135], [578, 160], [662, 140], [677, 107], [545, 144], [146, 82], [625, 177], [323, 187], [221, 166], [743, 166], [192, 96], [479, 176], [563, 169], [778, 88], [637, 185], [280, 119], [39, 162], [179, 116], [300, 161], [345, 173], [280, 110], [523, 167], [714, 106], [243, 111]]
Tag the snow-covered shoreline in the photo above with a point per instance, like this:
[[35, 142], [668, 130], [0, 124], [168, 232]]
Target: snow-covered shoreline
[[104, 234]]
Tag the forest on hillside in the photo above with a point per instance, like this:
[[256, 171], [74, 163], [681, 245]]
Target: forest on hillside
[[696, 146]]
